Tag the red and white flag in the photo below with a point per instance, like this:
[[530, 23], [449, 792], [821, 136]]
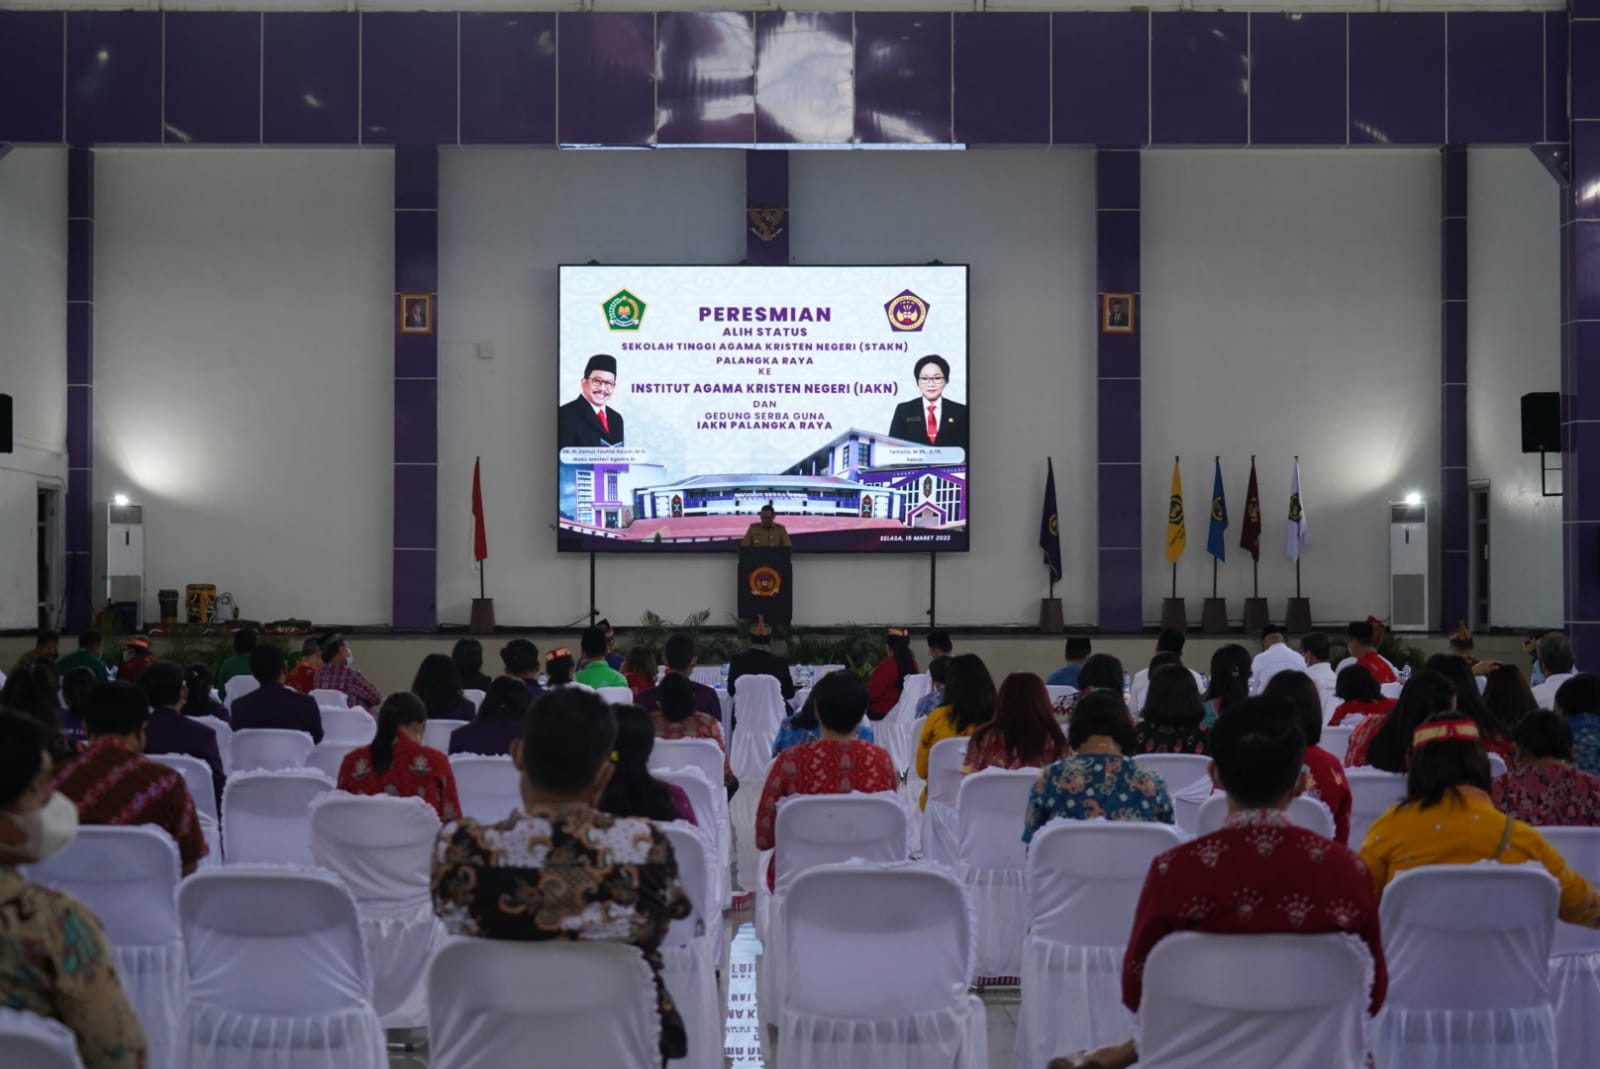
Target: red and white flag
[[480, 538]]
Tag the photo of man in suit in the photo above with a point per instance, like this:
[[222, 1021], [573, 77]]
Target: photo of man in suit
[[932, 420], [587, 421]]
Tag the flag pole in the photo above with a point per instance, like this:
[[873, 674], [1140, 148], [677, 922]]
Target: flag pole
[[1297, 539], [1255, 558], [481, 594]]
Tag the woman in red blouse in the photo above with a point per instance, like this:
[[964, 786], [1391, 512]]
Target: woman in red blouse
[[1023, 733], [397, 764], [639, 669], [1384, 742], [1328, 785], [888, 678], [1359, 695]]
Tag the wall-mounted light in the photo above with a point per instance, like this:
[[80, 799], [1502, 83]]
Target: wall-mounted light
[[1414, 498], [120, 500]]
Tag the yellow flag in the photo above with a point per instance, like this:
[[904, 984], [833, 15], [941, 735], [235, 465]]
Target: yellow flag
[[1177, 536]]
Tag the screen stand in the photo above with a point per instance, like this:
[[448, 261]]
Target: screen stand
[[593, 615], [933, 589]]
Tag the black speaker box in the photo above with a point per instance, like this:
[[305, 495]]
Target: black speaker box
[[5, 423], [1541, 423]]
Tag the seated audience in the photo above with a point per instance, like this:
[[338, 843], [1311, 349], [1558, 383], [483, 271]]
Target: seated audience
[[969, 703], [1101, 778], [244, 640], [1507, 697], [396, 763], [46, 647], [559, 668], [679, 655], [439, 687], [1102, 671], [1384, 742], [1469, 702], [613, 658], [467, 656], [837, 763], [1276, 656], [888, 676], [136, 657], [1449, 818], [939, 644], [1299, 695], [498, 722], [303, 676], [1316, 650], [594, 876], [594, 670], [1173, 718], [1230, 681], [521, 660], [1023, 732], [937, 669], [32, 689], [114, 783], [1169, 650], [75, 688], [1578, 700], [197, 699], [55, 959], [633, 791], [677, 718], [338, 672], [805, 727], [759, 660], [87, 656], [1555, 664], [1543, 786], [1078, 650], [1362, 638], [1359, 695], [169, 731], [275, 705], [639, 668], [1270, 861]]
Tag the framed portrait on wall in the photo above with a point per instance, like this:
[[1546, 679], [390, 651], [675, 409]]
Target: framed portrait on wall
[[1116, 313], [416, 313]]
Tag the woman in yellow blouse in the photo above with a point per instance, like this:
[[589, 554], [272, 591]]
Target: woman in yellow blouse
[[968, 704], [1449, 818]]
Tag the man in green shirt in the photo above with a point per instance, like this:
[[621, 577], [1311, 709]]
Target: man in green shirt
[[593, 671], [244, 640], [86, 656]]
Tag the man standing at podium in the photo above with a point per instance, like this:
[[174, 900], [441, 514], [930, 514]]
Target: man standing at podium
[[767, 533]]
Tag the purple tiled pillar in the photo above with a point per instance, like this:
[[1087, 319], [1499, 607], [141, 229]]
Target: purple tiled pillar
[[416, 391], [766, 194], [1453, 381], [1580, 355], [1119, 545], [80, 387]]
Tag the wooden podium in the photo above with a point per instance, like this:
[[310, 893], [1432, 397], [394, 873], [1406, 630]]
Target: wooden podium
[[766, 584]]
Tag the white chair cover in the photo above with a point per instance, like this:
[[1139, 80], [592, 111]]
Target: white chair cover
[[703, 754], [1336, 740], [278, 977], [266, 816], [878, 960], [1083, 881], [1308, 813], [1389, 690], [1061, 698], [238, 687], [710, 675], [1255, 1000], [197, 777], [328, 757], [990, 858], [616, 695], [347, 724], [1497, 764], [127, 876], [29, 1041], [759, 710], [939, 816], [689, 953], [489, 786], [1575, 954], [475, 696], [1330, 704], [710, 803], [436, 733], [1372, 792], [1468, 948], [382, 849], [325, 696], [1188, 780], [224, 732], [270, 748], [897, 732], [495, 1004]]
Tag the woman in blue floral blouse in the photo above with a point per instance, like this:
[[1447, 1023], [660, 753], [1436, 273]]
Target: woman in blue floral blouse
[[1098, 780]]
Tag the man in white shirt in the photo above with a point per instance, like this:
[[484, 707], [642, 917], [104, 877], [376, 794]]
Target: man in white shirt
[[1171, 640], [1555, 661], [1315, 648], [1276, 656]]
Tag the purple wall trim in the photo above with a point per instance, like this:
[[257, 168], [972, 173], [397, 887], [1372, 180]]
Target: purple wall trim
[[1118, 532], [766, 186], [775, 77], [1456, 542], [79, 506], [416, 392]]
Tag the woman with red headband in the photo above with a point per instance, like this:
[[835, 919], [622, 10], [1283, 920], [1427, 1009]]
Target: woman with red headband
[[1449, 818]]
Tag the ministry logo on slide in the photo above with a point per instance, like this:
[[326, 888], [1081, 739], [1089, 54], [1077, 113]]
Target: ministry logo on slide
[[907, 311], [624, 311]]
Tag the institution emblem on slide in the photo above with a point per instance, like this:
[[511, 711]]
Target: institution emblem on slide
[[765, 582], [907, 311], [623, 311]]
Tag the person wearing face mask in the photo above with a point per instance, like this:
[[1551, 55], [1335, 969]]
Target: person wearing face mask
[[55, 960], [594, 875], [397, 764], [112, 781], [338, 672]]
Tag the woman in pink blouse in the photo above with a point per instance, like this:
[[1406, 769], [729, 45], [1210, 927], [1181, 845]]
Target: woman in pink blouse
[[1023, 733]]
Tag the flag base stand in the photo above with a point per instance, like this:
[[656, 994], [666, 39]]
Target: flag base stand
[[1173, 614], [1255, 615], [1214, 616], [482, 616], [1050, 616], [1299, 621]]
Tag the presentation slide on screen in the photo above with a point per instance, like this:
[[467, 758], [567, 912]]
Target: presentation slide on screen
[[690, 397]]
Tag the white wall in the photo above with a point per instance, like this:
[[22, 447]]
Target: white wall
[[244, 371], [33, 368], [1291, 306], [1513, 348]]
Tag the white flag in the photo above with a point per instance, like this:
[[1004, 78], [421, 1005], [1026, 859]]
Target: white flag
[[1297, 535]]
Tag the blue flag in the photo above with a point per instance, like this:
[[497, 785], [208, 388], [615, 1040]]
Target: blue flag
[[1217, 541], [1050, 525]]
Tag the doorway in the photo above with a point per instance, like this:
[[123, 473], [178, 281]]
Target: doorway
[[47, 554], [1478, 504]]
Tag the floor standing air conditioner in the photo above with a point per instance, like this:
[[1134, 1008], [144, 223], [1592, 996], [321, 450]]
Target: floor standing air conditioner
[[1408, 566], [119, 556]]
